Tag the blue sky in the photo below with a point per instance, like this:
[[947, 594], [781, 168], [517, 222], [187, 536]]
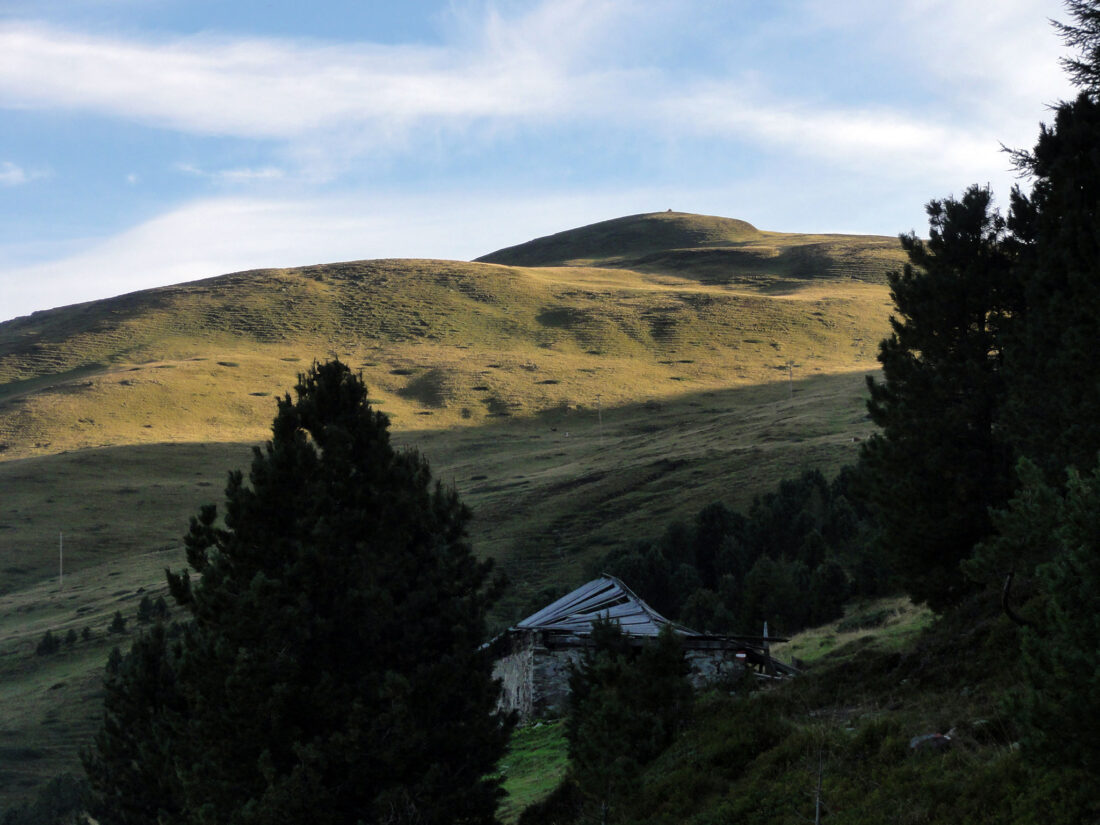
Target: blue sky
[[148, 142]]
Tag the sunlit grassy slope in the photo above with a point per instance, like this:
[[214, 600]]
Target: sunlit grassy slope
[[574, 407], [441, 344], [709, 249]]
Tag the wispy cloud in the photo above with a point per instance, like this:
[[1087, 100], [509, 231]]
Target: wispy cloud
[[12, 174], [889, 141], [262, 88], [556, 62], [950, 81], [239, 175]]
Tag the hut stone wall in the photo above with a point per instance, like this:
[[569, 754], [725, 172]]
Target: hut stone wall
[[535, 677]]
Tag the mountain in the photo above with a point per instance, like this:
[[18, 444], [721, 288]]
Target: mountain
[[714, 250], [580, 391]]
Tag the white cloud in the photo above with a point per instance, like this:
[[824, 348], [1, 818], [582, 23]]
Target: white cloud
[[997, 61], [12, 174], [558, 62], [240, 175], [884, 140], [263, 88]]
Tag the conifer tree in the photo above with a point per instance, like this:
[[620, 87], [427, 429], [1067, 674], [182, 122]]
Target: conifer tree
[[129, 767], [939, 464], [1060, 702], [1054, 410], [627, 706], [332, 669]]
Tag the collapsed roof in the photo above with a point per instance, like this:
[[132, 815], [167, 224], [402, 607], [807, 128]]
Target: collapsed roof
[[571, 617], [603, 598]]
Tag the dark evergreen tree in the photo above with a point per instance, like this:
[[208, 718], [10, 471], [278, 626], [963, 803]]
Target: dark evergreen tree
[[1060, 703], [776, 592], [829, 590], [333, 667], [59, 802], [939, 464], [145, 613], [628, 704], [48, 645], [1083, 35], [704, 611], [130, 767], [118, 623], [714, 525], [1054, 410]]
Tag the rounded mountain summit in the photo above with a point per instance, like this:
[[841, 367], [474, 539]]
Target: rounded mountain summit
[[706, 247]]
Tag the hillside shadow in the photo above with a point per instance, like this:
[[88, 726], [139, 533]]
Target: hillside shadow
[[551, 488]]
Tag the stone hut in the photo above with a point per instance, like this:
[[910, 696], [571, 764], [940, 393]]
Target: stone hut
[[534, 656]]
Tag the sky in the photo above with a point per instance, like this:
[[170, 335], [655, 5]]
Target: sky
[[150, 142]]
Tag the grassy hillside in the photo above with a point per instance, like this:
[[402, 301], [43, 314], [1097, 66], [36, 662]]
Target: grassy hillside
[[441, 344], [573, 407], [709, 249], [548, 492], [883, 675], [852, 719]]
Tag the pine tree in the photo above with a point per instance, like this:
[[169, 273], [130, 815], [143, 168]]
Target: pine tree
[[130, 765], [145, 612], [1060, 703], [1054, 410], [627, 706], [333, 669], [939, 464], [49, 645], [118, 623], [829, 590]]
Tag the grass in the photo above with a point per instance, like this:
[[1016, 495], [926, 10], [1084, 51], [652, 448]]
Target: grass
[[573, 407], [755, 759], [893, 674], [51, 705], [534, 766], [887, 624], [709, 249], [549, 492]]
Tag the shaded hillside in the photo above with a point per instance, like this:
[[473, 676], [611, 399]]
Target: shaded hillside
[[548, 492], [710, 249]]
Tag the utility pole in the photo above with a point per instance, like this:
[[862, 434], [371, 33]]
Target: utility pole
[[599, 414], [817, 796], [790, 379], [60, 559]]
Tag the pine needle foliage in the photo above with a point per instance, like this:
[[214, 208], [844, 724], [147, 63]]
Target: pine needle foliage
[[332, 668], [939, 463]]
